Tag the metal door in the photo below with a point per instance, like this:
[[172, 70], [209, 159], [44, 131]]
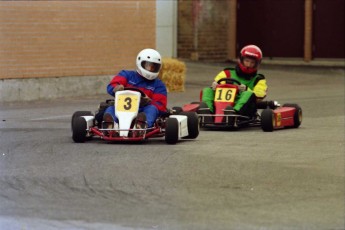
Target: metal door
[[328, 29], [276, 26]]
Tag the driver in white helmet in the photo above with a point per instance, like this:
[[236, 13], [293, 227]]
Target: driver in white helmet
[[148, 64]]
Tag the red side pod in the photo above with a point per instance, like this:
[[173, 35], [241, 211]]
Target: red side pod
[[190, 107], [284, 117]]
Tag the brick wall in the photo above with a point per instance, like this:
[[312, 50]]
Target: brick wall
[[73, 38], [202, 29]]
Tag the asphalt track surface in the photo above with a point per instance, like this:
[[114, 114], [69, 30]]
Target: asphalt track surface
[[246, 179]]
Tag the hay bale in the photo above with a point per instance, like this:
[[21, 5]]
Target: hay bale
[[173, 74]]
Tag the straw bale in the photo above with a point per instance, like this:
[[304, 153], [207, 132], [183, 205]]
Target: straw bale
[[173, 74]]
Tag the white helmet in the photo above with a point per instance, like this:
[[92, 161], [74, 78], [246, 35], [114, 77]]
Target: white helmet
[[149, 63]]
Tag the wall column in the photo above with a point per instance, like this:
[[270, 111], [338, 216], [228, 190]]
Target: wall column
[[308, 30], [232, 29]]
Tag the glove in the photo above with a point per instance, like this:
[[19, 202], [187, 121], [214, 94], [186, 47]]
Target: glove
[[276, 104], [118, 88], [242, 87], [144, 101], [214, 85]]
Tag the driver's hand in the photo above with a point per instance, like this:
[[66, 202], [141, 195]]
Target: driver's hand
[[242, 87], [118, 88], [144, 101], [214, 85]]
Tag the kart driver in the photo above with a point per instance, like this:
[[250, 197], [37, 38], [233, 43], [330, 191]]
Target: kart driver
[[253, 86], [154, 103]]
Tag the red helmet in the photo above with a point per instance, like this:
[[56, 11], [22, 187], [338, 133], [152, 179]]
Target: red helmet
[[250, 51]]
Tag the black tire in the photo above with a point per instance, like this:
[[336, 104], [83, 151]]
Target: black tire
[[297, 118], [267, 120], [193, 124], [177, 109], [79, 130], [171, 131], [79, 114], [203, 105], [203, 111]]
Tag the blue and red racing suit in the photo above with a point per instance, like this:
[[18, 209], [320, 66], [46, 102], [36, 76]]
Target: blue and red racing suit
[[154, 89]]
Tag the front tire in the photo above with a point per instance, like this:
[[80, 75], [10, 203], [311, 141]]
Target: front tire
[[79, 114], [267, 120], [193, 124], [79, 130], [171, 131]]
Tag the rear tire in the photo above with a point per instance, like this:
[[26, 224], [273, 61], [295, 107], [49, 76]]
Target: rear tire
[[171, 131], [79, 130], [297, 118], [193, 124], [267, 120], [177, 110], [203, 112]]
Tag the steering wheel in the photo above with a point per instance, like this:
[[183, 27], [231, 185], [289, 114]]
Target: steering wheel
[[136, 89], [229, 81]]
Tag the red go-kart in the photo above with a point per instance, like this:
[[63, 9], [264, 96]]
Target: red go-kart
[[271, 116]]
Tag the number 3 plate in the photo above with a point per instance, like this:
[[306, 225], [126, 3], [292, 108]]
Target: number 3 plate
[[127, 103]]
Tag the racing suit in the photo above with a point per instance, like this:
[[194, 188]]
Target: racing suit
[[245, 102], [154, 89]]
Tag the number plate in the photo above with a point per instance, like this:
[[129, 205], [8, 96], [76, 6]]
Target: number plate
[[127, 103], [225, 94]]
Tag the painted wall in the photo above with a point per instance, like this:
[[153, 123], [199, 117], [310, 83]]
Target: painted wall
[[73, 38]]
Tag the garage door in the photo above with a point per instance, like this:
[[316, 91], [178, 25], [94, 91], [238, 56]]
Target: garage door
[[328, 29], [276, 26]]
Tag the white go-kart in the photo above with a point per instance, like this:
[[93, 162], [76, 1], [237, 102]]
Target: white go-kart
[[172, 126]]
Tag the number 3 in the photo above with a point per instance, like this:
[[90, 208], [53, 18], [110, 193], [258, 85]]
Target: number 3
[[128, 106]]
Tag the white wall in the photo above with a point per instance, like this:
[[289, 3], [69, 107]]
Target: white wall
[[166, 27]]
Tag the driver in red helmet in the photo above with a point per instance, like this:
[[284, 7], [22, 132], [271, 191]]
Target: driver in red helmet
[[253, 86]]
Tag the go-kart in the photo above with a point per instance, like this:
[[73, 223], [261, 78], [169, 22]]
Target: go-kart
[[172, 126], [272, 116]]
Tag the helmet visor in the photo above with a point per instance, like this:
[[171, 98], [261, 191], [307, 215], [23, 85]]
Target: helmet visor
[[250, 62], [151, 66]]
